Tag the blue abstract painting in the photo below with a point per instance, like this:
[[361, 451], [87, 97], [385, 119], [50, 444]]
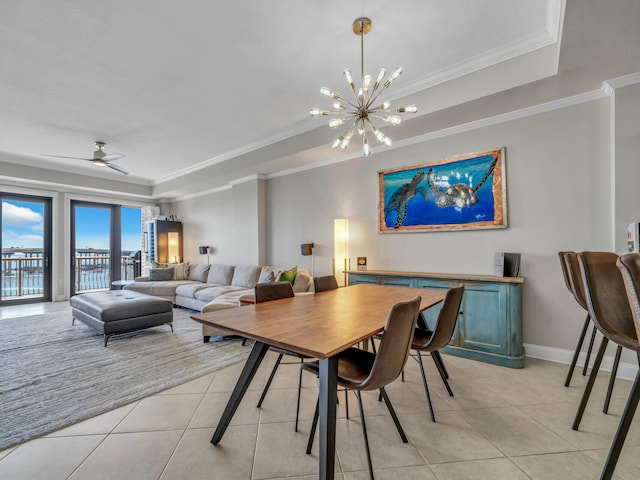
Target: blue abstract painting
[[463, 192]]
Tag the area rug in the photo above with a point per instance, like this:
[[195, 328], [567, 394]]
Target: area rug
[[53, 374]]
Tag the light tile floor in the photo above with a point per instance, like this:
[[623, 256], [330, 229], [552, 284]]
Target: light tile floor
[[501, 424]]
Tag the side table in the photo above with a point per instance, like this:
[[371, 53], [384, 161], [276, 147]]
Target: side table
[[120, 284]]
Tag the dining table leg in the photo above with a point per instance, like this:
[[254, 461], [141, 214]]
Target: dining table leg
[[258, 352], [328, 403]]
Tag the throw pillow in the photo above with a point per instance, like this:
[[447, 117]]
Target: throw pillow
[[288, 275], [245, 276], [160, 274], [199, 272], [180, 271], [302, 282], [269, 274]]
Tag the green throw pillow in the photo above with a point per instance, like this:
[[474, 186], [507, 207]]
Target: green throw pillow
[[288, 275]]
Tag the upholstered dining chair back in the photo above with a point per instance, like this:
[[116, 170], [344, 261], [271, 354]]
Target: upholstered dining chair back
[[266, 292], [394, 347], [629, 266], [607, 298], [446, 323], [324, 283], [576, 285], [565, 269]]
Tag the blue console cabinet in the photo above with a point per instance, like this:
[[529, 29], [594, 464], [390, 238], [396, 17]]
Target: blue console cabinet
[[490, 323]]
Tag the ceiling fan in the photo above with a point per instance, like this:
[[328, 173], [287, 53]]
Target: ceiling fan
[[100, 158]]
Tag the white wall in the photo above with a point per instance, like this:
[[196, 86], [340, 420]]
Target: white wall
[[230, 221], [559, 198], [626, 145]]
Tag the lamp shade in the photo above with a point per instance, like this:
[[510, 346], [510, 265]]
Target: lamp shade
[[203, 250], [173, 247], [340, 249], [306, 249]]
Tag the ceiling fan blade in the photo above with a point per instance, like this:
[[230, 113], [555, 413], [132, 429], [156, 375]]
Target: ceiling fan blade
[[117, 168], [62, 156], [112, 156]]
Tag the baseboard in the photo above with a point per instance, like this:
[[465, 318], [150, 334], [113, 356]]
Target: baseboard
[[626, 371]]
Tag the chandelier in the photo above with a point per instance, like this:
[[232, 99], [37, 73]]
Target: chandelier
[[360, 115]]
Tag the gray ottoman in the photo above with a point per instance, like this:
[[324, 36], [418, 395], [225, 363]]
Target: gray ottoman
[[119, 311]]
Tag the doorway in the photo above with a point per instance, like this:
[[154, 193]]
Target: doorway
[[106, 241], [25, 243]]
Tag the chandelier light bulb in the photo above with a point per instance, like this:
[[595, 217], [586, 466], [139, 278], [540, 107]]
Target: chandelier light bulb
[[360, 111], [337, 122], [366, 82], [408, 109]]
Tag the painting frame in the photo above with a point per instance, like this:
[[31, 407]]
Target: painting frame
[[462, 192]]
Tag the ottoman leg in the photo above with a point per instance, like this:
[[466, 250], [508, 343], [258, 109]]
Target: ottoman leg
[[106, 339]]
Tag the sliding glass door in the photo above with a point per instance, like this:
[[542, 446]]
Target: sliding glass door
[[105, 245], [25, 242]]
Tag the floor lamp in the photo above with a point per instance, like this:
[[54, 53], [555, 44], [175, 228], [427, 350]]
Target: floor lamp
[[306, 249], [341, 250], [204, 251]]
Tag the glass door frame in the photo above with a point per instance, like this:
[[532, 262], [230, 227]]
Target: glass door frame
[[47, 242], [115, 241]]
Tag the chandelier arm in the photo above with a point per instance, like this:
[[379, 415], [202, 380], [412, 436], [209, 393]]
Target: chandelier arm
[[384, 119]]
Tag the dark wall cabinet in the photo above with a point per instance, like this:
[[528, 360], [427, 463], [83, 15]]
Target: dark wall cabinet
[[490, 323]]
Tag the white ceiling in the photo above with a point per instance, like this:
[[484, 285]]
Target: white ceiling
[[180, 85]]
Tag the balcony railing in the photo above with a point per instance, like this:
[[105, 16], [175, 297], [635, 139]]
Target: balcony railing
[[23, 276]]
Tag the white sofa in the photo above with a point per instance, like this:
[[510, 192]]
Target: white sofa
[[216, 287]]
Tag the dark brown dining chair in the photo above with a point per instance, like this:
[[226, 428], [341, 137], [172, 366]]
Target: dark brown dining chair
[[361, 370], [576, 286], [610, 311], [629, 266], [573, 282], [430, 341], [267, 292], [324, 283], [608, 307]]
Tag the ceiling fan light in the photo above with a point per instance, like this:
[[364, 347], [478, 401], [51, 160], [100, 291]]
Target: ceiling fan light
[[99, 162]]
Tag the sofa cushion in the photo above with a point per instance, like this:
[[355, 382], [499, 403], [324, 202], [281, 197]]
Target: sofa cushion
[[210, 293], [180, 271], [189, 290], [246, 276], [220, 274], [288, 275], [302, 282], [162, 289], [269, 274], [198, 273], [160, 274]]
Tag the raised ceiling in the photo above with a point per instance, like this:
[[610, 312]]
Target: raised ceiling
[[179, 86]]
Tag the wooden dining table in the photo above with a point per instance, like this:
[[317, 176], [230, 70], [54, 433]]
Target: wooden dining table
[[320, 326]]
